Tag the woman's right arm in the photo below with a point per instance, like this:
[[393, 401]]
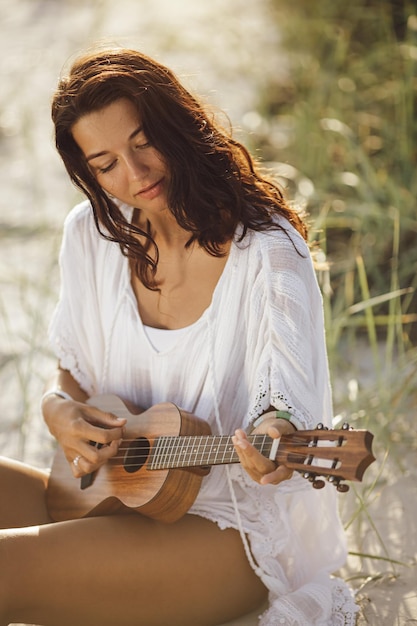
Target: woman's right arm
[[75, 424], [63, 381]]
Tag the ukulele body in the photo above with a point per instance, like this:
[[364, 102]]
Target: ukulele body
[[165, 495]]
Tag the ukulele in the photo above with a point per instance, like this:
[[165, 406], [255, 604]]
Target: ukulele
[[166, 453]]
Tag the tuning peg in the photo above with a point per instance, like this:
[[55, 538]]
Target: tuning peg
[[321, 426], [346, 426], [312, 477], [318, 484], [343, 487]]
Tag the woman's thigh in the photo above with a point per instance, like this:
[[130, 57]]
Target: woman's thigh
[[22, 493], [126, 570]]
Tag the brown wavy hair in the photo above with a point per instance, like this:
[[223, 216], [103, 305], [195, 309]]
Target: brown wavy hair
[[215, 183]]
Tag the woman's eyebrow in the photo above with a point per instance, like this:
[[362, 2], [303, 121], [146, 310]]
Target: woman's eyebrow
[[135, 132], [132, 135]]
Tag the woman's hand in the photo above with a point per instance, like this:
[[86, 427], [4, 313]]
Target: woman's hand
[[260, 468], [75, 425]]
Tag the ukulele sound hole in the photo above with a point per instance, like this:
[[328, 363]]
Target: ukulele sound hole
[[136, 455]]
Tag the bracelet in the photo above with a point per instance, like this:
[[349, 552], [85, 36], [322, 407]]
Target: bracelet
[[56, 392], [277, 414]]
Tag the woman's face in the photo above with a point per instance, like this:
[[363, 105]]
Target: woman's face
[[121, 159]]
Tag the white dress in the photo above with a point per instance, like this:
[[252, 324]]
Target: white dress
[[260, 343]]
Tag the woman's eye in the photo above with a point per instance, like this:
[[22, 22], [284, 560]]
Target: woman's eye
[[141, 146], [103, 170]]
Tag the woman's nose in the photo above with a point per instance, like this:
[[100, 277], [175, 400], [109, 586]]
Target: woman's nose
[[136, 167]]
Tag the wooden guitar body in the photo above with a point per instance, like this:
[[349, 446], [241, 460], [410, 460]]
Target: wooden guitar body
[[164, 494]]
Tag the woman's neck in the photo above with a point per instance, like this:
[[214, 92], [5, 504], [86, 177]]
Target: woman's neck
[[164, 229]]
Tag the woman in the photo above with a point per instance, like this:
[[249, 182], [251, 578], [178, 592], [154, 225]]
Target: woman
[[185, 278]]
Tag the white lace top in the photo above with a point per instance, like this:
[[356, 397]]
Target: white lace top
[[260, 342]]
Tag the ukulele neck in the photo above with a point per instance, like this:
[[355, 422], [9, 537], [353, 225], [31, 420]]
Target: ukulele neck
[[200, 451]]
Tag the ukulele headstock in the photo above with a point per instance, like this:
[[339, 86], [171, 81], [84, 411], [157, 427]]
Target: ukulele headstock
[[337, 455]]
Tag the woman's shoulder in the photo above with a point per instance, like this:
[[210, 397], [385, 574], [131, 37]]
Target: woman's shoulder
[[281, 237], [80, 215], [80, 234]]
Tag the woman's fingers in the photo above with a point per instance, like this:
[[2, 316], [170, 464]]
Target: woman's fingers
[[259, 467], [254, 463], [92, 457], [96, 425], [89, 437], [277, 476]]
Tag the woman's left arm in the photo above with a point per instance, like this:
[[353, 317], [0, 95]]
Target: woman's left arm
[[293, 371]]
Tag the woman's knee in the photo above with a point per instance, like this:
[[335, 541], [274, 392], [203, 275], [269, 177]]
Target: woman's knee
[[23, 488]]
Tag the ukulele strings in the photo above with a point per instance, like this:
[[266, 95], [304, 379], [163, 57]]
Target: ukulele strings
[[174, 446]]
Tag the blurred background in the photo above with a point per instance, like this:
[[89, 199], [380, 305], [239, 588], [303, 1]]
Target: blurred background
[[325, 94]]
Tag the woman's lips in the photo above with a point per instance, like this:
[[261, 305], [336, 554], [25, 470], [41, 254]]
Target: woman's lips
[[151, 191]]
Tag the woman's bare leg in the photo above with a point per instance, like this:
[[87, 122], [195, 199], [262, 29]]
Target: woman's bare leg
[[22, 494], [124, 570]]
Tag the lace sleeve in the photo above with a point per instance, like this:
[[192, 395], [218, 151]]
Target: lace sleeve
[[292, 372], [73, 330]]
